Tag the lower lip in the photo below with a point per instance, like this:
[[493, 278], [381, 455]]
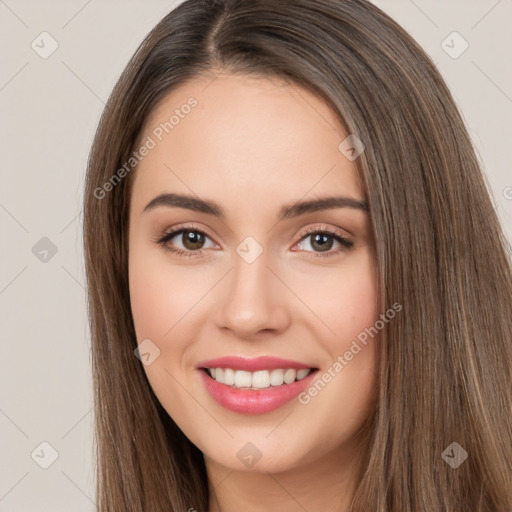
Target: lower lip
[[260, 401]]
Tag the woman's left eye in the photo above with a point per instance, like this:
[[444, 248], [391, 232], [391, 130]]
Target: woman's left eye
[[193, 240], [324, 240]]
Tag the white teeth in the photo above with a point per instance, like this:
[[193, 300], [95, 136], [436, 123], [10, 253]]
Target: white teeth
[[276, 377], [229, 376], [257, 380], [289, 376], [302, 373], [242, 379], [261, 379]]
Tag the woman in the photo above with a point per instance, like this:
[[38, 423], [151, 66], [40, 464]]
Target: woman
[[299, 291]]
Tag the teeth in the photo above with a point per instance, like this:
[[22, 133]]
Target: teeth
[[229, 376], [302, 373], [261, 379], [242, 379], [289, 376], [276, 377], [257, 380]]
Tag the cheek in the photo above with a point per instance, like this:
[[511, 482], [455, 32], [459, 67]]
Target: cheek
[[352, 301], [344, 299], [162, 294], [154, 297], [347, 304], [163, 297], [148, 300]]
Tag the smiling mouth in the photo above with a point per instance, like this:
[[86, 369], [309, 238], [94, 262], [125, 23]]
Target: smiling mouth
[[261, 379]]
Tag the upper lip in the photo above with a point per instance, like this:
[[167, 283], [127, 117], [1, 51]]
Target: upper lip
[[252, 364]]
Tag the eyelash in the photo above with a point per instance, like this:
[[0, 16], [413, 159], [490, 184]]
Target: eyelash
[[345, 242]]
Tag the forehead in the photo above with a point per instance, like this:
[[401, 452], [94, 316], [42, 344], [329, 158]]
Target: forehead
[[244, 137]]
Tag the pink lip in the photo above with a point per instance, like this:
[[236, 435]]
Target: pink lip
[[247, 401], [252, 364]]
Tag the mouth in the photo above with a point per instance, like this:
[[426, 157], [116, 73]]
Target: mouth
[[255, 385]]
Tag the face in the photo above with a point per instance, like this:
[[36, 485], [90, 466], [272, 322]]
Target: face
[[248, 278]]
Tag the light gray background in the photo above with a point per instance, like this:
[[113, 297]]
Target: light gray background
[[49, 112]]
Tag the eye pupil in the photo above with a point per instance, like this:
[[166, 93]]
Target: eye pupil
[[325, 241], [192, 239]]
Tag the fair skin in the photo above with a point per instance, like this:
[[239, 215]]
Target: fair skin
[[253, 145]]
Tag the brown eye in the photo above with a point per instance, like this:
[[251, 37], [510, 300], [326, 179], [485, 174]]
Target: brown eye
[[322, 241], [192, 240]]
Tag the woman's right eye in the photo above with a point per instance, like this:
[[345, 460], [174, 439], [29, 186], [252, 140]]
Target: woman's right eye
[[192, 241]]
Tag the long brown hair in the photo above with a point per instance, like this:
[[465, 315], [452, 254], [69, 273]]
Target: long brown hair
[[446, 365]]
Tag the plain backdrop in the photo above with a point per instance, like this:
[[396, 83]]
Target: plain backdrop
[[50, 106]]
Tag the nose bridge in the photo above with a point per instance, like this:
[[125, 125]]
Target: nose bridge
[[250, 272], [250, 300], [250, 289]]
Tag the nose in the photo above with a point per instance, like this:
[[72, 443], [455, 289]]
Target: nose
[[252, 300]]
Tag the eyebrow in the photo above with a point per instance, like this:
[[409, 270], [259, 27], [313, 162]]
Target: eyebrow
[[286, 212]]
